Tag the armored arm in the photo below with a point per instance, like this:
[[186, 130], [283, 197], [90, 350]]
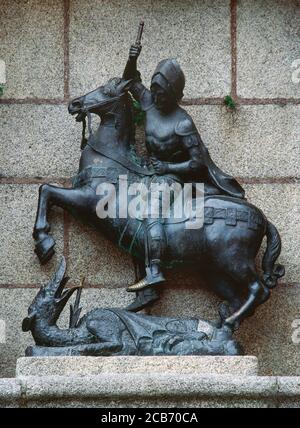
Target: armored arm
[[195, 163], [131, 72], [192, 144]]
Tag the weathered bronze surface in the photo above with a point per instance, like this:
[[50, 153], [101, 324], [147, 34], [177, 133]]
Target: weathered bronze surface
[[224, 249], [116, 331]]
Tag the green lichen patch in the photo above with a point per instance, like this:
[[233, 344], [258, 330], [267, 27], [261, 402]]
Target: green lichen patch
[[230, 103]]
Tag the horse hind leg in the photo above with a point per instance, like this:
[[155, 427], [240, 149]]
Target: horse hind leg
[[68, 199], [226, 289], [257, 294]]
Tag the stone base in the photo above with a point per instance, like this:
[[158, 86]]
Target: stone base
[[146, 382], [92, 366]]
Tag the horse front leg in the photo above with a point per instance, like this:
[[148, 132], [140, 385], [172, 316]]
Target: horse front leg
[[68, 199], [44, 243]]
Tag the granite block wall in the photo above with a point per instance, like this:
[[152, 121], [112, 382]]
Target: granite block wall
[[57, 49]]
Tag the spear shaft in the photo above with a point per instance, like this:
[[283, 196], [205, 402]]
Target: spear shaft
[[139, 34]]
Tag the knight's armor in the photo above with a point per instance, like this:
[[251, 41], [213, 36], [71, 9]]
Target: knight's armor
[[172, 138]]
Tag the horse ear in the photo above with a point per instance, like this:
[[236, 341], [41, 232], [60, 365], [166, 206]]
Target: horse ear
[[124, 86]]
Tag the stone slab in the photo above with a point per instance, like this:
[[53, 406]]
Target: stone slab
[[47, 145], [269, 333], [18, 263], [280, 203], [151, 389], [13, 309], [267, 45], [255, 141], [188, 32], [80, 366], [31, 35], [98, 260], [10, 393]]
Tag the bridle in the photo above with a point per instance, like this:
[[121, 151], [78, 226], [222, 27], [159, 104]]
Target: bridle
[[85, 111], [123, 161]]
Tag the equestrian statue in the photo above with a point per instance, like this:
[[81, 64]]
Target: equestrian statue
[[223, 250]]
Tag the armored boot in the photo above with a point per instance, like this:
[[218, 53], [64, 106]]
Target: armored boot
[[155, 247]]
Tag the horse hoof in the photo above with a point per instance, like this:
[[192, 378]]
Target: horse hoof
[[141, 302], [233, 348], [45, 249]]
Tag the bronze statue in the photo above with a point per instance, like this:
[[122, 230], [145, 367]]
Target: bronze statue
[[110, 331], [175, 147], [224, 249]]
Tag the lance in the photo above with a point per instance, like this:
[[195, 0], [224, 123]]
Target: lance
[[139, 34]]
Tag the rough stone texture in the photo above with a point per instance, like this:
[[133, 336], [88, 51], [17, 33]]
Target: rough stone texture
[[149, 389], [289, 386], [80, 366], [149, 385], [44, 139], [268, 43], [289, 392], [197, 33], [256, 141], [31, 36], [13, 308], [151, 402], [280, 203], [98, 260], [18, 262], [268, 334], [10, 393]]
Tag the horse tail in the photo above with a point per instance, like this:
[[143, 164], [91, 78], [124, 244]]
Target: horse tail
[[272, 272]]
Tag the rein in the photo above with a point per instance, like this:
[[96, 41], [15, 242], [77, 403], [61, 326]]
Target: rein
[[123, 161], [84, 140]]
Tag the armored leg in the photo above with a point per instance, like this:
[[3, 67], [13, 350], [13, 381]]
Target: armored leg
[[155, 247]]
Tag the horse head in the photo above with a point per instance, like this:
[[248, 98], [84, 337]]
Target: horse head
[[111, 102]]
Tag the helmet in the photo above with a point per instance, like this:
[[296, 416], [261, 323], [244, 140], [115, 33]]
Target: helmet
[[169, 76]]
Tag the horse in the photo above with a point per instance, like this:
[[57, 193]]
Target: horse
[[224, 249]]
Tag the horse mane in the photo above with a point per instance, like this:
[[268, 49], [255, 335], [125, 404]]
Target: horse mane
[[111, 89]]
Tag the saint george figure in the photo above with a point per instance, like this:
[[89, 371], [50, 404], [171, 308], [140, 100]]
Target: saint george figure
[[175, 148]]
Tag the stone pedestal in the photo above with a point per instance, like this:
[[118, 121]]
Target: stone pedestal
[[143, 382], [132, 365]]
